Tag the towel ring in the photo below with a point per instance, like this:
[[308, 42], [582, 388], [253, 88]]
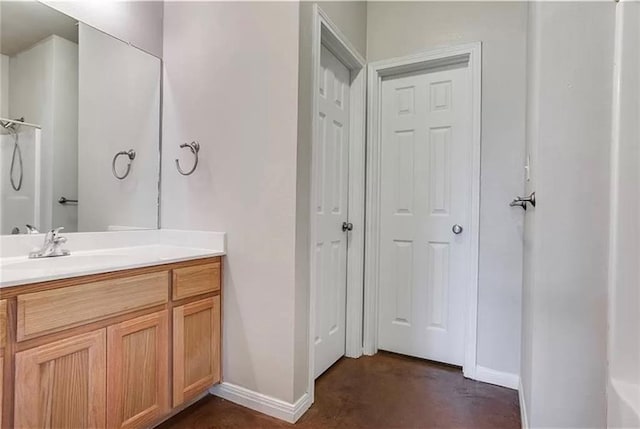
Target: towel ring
[[194, 147], [131, 154]]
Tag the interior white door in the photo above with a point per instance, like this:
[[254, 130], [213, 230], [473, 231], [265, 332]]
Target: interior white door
[[331, 166], [425, 192]]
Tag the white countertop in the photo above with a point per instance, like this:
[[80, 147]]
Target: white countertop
[[120, 255]]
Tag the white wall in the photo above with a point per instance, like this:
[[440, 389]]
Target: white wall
[[569, 134], [624, 293], [231, 83], [137, 22], [402, 28], [119, 110]]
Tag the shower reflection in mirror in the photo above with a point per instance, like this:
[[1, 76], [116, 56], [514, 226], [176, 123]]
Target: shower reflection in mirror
[[20, 186], [10, 127]]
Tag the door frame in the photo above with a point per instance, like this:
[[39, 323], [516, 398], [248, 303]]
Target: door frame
[[326, 33], [471, 54]]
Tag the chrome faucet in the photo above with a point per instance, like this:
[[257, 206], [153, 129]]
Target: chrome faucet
[[51, 247]]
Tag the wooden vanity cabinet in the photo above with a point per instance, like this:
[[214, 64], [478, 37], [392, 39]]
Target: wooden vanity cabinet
[[196, 348], [129, 365]]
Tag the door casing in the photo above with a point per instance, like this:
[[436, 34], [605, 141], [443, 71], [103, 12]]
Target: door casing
[[471, 54], [326, 33]]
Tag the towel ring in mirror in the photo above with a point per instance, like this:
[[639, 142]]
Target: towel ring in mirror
[[194, 147], [131, 154]]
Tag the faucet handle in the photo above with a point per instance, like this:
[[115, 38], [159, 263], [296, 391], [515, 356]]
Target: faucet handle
[[54, 234], [32, 229]]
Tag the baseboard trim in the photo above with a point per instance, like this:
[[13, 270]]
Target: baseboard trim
[[499, 378], [523, 407], [263, 403]]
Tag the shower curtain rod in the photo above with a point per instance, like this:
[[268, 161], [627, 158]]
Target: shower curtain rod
[[13, 121]]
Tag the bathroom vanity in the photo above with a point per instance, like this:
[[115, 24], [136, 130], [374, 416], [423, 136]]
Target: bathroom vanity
[[122, 348], [106, 320]]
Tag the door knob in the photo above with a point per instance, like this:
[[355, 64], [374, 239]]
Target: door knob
[[347, 226], [457, 229]]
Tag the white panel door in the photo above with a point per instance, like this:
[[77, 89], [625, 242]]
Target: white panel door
[[331, 165], [425, 191]]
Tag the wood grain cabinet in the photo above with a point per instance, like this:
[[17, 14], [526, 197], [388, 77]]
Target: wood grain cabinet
[[3, 323], [62, 384], [196, 348], [196, 280], [116, 350], [138, 371]]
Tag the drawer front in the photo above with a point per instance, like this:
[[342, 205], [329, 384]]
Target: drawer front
[[3, 323], [196, 280], [41, 313]]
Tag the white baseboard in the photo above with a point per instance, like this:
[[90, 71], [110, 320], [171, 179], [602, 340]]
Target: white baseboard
[[523, 407], [263, 403], [499, 378]]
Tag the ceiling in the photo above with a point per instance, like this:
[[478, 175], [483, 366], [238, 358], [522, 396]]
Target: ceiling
[[25, 23]]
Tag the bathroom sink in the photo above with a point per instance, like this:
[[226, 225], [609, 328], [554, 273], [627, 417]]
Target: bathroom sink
[[19, 270], [64, 262]]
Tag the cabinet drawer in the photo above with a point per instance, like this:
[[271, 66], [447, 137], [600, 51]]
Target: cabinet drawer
[[50, 311], [3, 323], [196, 280]]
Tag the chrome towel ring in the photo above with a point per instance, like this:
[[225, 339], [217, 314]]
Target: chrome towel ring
[[131, 154], [194, 147]]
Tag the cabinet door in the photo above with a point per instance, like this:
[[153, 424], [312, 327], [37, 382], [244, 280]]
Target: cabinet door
[[62, 384], [138, 371], [196, 348]]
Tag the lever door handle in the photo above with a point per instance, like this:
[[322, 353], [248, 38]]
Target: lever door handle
[[347, 226], [522, 201]]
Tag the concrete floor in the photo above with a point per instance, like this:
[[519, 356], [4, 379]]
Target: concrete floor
[[382, 391]]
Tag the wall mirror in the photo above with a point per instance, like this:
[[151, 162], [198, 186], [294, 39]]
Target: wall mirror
[[79, 125]]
